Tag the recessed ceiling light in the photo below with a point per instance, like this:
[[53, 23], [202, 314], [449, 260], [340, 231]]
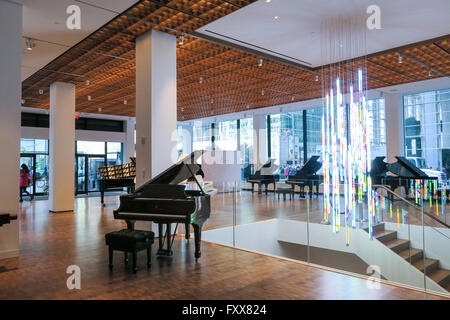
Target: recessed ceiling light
[[276, 17], [268, 1]]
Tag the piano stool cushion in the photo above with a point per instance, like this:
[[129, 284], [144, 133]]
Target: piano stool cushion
[[126, 239]]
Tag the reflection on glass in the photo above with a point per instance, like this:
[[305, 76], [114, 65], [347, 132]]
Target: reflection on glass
[[90, 147]]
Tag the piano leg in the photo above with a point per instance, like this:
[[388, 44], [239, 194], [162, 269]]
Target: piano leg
[[161, 237], [130, 224], [187, 231], [134, 261], [102, 197], [198, 239]]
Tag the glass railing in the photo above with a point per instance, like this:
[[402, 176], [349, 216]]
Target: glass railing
[[400, 237]]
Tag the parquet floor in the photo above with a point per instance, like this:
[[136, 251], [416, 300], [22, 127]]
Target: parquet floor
[[49, 243]]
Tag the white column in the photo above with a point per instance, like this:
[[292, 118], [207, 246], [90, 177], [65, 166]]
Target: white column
[[129, 145], [394, 127], [259, 140], [10, 92], [187, 141], [156, 104], [62, 147]]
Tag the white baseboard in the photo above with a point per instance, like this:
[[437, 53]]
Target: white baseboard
[[9, 254]]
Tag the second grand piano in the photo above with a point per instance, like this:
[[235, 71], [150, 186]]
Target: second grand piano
[[164, 200]]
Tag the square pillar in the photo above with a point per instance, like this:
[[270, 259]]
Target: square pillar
[[156, 104], [394, 127], [130, 144], [62, 147], [259, 140], [10, 93]]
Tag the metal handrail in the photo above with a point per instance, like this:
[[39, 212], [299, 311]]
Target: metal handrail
[[410, 203]]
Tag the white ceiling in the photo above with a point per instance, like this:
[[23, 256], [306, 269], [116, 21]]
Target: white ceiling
[[297, 31], [46, 20]]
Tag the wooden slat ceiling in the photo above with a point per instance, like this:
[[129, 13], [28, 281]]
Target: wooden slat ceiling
[[212, 79]]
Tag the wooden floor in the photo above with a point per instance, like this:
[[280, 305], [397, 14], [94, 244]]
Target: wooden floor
[[49, 243]]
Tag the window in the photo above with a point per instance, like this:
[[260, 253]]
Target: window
[[377, 127], [202, 136], [90, 147], [179, 140], [33, 146], [286, 139], [427, 129], [246, 140], [226, 135], [314, 132], [114, 153]]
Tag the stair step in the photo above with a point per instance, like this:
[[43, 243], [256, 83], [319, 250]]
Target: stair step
[[431, 264], [440, 276], [397, 245], [415, 254], [385, 235], [376, 228]]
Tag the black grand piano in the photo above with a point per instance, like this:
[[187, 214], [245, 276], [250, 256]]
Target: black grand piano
[[307, 176], [265, 176], [6, 218], [164, 200], [397, 174], [117, 176]]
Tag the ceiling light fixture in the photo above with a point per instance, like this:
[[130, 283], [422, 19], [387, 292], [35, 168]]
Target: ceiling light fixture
[[429, 73], [181, 40], [89, 98], [200, 80], [41, 91], [260, 63], [262, 92], [293, 98], [400, 59], [88, 82], [125, 102], [276, 17], [23, 101], [30, 44], [317, 78], [100, 109], [268, 1]]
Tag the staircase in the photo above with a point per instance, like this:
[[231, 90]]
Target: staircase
[[412, 255]]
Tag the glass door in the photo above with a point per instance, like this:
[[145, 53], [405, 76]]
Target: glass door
[[80, 175], [93, 163], [29, 160]]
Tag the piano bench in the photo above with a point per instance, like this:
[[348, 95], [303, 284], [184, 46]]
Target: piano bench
[[130, 241], [284, 191]]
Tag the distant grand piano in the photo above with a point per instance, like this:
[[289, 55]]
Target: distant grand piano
[[402, 172], [164, 200], [307, 176], [265, 176], [117, 176]]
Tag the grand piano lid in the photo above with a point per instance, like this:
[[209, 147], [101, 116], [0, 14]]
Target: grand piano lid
[[184, 169], [310, 167], [404, 168]]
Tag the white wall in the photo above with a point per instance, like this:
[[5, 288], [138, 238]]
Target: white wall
[[10, 92]]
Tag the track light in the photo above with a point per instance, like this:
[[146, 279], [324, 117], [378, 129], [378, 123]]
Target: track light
[[89, 98], [261, 62], [88, 82], [400, 59], [125, 102], [23, 101], [100, 109], [200, 80], [181, 40], [262, 92], [317, 78], [30, 44], [41, 91], [429, 73], [293, 98]]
